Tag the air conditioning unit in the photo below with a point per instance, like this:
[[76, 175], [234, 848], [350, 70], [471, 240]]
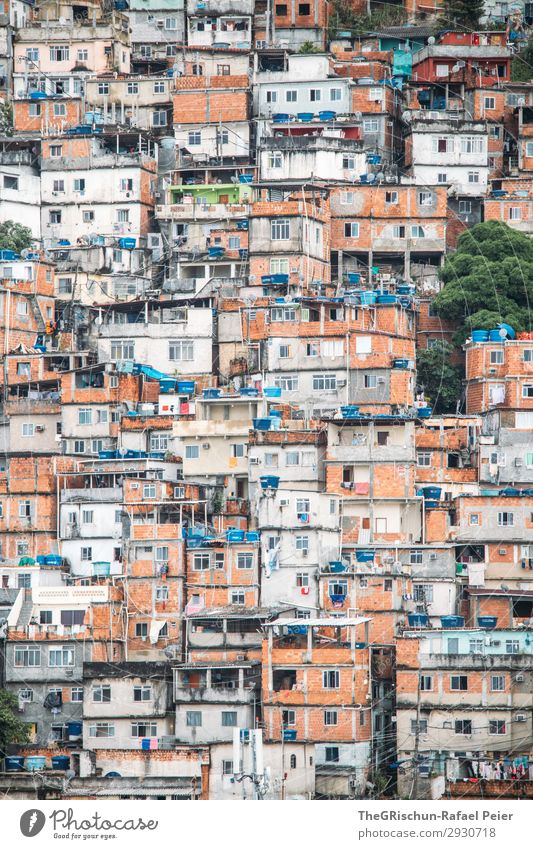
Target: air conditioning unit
[[432, 556], [254, 461], [39, 429], [160, 22], [206, 446], [305, 552], [380, 380], [492, 371], [519, 678], [284, 502], [520, 717], [135, 486]]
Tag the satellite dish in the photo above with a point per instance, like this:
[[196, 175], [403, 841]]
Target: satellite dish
[[431, 39], [70, 774]]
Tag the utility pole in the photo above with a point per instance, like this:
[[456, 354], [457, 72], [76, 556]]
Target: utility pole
[[414, 788]]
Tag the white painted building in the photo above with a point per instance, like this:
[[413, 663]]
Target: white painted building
[[449, 153]]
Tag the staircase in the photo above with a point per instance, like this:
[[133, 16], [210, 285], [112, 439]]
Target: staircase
[[25, 614], [41, 327]]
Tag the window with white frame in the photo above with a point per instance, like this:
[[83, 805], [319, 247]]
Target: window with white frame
[[61, 656], [181, 350], [331, 679], [515, 213], [324, 382], [280, 229], [123, 349], [351, 229]]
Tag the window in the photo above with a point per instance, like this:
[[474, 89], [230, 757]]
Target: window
[[281, 314], [62, 656], [32, 54], [287, 382], [45, 617], [497, 726], [473, 176], [159, 118], [348, 162], [370, 381], [56, 151], [489, 102], [229, 718], [182, 350], [324, 382], [59, 53], [22, 547], [302, 543], [245, 560], [423, 593], [35, 110], [331, 717], [149, 490], [331, 754], [442, 177], [370, 125], [279, 266], [87, 517], [497, 683], [505, 519], [161, 593], [275, 159], [192, 452], [171, 23], [28, 429], [425, 198], [145, 729], [423, 458], [331, 679], [60, 110], [476, 646], [86, 553], [335, 94], [417, 232], [271, 460], [515, 213], [159, 87], [288, 717], [141, 629], [27, 656], [142, 693], [102, 693], [512, 646], [419, 727], [496, 357], [227, 767], [471, 144], [351, 229], [458, 682], [102, 729], [426, 683], [463, 726], [280, 229], [465, 207], [122, 349], [528, 355], [314, 95], [238, 597], [76, 694], [85, 416], [201, 562], [398, 231], [302, 579], [54, 216], [391, 198], [441, 144], [271, 96]]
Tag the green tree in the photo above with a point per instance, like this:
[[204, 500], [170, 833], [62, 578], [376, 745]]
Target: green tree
[[14, 237], [12, 728], [522, 64], [438, 378], [309, 47], [461, 14], [488, 280]]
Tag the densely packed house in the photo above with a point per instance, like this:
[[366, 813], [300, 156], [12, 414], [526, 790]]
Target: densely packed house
[[241, 555]]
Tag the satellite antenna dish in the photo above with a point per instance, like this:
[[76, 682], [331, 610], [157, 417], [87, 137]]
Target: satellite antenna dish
[[431, 39]]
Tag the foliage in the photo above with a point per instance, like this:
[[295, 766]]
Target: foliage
[[14, 237], [488, 280], [522, 64], [461, 14], [345, 18], [438, 378], [309, 47], [12, 728], [6, 118]]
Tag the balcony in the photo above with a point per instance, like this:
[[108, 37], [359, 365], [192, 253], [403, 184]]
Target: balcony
[[201, 212]]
